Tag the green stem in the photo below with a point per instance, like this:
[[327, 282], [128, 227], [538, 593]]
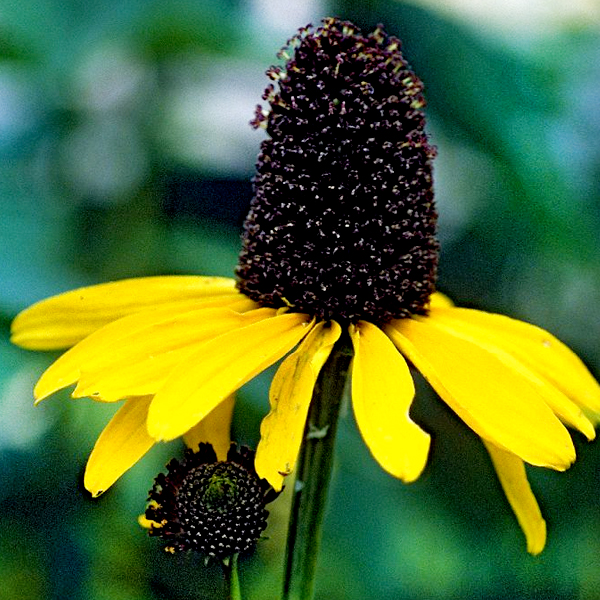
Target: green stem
[[232, 580], [313, 474]]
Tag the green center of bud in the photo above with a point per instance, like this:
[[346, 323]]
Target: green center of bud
[[221, 493], [342, 224]]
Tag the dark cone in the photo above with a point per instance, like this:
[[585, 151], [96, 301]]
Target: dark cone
[[342, 224], [214, 507]]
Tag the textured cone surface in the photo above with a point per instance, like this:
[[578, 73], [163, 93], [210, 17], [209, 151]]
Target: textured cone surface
[[215, 508], [342, 223]]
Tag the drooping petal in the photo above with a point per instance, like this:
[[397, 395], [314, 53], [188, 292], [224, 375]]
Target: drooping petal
[[214, 429], [382, 392], [122, 443], [67, 369], [513, 478], [535, 347], [218, 368], [142, 361], [63, 320], [568, 412], [486, 391], [290, 395]]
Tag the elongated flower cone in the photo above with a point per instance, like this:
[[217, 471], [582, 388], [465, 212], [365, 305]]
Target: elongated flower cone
[[342, 224]]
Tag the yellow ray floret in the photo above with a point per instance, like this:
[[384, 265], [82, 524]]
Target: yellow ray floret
[[122, 443], [535, 347], [513, 478], [564, 408], [67, 369], [492, 397], [51, 323], [382, 392], [218, 368], [439, 300], [290, 395], [141, 362], [101, 344], [214, 429], [125, 440]]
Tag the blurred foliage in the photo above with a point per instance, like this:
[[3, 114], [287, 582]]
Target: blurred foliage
[[125, 151]]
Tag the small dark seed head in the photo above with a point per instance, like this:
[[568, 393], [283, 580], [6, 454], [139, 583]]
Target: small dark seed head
[[342, 224], [210, 506]]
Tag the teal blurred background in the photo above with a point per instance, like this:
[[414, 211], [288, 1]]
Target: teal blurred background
[[125, 150]]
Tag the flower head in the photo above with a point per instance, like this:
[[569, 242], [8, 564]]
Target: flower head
[[213, 507], [340, 237]]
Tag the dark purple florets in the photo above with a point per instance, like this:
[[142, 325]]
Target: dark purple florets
[[213, 507], [342, 224]]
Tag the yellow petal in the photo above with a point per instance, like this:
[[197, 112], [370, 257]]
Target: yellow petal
[[439, 300], [498, 402], [122, 443], [147, 523], [218, 368], [290, 395], [61, 321], [382, 392], [67, 369], [538, 349], [561, 405], [513, 478], [141, 362], [214, 429]]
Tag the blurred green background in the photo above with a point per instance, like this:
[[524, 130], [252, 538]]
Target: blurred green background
[[125, 150]]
